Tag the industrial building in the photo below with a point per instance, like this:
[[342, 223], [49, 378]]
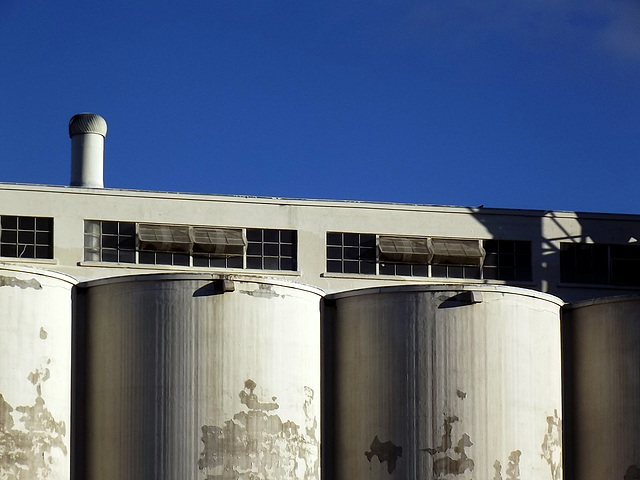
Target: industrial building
[[156, 335]]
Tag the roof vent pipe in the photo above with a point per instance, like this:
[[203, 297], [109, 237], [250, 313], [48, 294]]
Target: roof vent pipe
[[87, 132]]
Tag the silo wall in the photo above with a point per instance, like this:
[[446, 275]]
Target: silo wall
[[443, 382], [187, 380], [603, 387], [35, 373]]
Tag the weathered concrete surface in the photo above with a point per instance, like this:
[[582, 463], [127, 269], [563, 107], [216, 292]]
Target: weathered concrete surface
[[35, 374], [603, 352], [185, 381], [439, 383]]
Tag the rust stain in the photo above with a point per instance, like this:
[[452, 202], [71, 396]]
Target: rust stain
[[256, 445], [16, 282], [385, 451]]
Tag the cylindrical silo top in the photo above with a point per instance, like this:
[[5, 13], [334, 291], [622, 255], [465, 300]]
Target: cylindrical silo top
[[84, 123]]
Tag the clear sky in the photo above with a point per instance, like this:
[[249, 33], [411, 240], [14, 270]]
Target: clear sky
[[517, 104]]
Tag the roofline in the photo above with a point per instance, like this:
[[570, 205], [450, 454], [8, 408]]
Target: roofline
[[121, 192]]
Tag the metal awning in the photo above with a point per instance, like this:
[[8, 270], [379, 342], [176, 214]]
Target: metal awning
[[450, 251], [404, 249]]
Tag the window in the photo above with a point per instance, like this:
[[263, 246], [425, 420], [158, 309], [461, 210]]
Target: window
[[507, 260], [269, 249], [110, 241], [365, 253], [602, 264], [185, 245], [26, 237], [351, 253]]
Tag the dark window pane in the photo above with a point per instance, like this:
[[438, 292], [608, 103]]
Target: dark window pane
[[26, 251], [288, 236], [490, 273], [403, 269], [368, 268], [271, 263], [286, 264], [181, 259], [9, 222], [43, 252], [200, 261], [147, 257], [454, 271], [368, 254], [368, 241], [286, 250], [254, 235], [164, 258], [334, 238], [351, 266], [43, 238], [254, 262], [254, 249], [26, 237], [351, 253], [438, 270], [506, 274], [9, 236], [523, 248], [471, 272], [352, 239], [109, 241], [8, 250], [127, 228], [26, 223], [44, 223], [127, 243], [109, 255], [387, 269], [272, 236], [334, 253], [127, 257], [271, 249], [334, 266], [234, 262], [110, 228], [420, 270]]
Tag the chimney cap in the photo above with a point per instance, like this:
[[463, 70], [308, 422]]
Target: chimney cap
[[83, 123]]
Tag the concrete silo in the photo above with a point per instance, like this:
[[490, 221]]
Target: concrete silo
[[196, 376], [35, 373], [443, 382], [602, 358]]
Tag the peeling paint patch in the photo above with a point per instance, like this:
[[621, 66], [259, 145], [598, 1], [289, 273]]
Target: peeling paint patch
[[255, 445], [552, 445], [498, 470], [263, 291], [449, 459], [385, 451], [513, 467], [43, 333], [251, 399], [30, 442], [16, 282], [461, 395]]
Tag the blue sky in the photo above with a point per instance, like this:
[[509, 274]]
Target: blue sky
[[517, 104]]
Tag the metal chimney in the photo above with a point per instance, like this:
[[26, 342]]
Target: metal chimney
[[87, 132]]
